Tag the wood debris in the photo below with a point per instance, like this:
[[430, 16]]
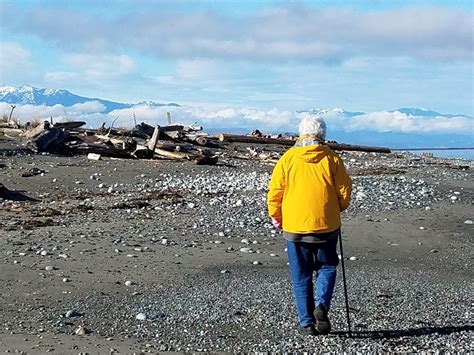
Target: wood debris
[[176, 142]]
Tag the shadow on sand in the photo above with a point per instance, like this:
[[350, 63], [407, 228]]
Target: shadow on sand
[[410, 332], [15, 195]]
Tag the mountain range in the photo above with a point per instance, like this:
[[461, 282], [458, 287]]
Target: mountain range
[[29, 95]]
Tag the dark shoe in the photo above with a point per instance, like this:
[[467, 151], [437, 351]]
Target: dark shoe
[[308, 330], [323, 326]]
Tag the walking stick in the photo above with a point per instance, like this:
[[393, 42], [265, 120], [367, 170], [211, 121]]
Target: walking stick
[[345, 287]]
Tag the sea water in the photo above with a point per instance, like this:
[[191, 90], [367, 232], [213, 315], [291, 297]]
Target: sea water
[[458, 154]]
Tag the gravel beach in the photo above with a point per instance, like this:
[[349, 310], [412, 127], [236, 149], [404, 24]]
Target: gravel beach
[[151, 256]]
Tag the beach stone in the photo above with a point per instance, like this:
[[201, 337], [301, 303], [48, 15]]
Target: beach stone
[[128, 283], [468, 221], [225, 271], [50, 268], [257, 262], [72, 314], [353, 258], [246, 250], [141, 316], [81, 331]]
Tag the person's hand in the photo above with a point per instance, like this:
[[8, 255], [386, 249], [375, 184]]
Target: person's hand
[[276, 223]]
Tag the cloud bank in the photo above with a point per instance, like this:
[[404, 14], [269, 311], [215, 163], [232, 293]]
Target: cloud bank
[[289, 32], [273, 120]]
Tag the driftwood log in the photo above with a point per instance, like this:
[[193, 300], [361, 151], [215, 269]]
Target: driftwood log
[[52, 140], [290, 142], [98, 148]]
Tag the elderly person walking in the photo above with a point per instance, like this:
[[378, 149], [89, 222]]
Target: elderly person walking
[[308, 190]]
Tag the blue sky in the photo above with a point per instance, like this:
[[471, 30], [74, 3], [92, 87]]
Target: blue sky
[[284, 55]]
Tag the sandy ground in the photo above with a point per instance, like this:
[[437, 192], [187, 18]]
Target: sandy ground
[[418, 259]]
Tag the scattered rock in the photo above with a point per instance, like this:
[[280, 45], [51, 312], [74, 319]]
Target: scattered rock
[[81, 330], [141, 316], [72, 314]]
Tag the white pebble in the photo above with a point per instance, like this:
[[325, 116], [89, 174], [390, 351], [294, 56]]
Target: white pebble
[[141, 316], [353, 258], [49, 268], [245, 241], [468, 221], [257, 262], [128, 283]]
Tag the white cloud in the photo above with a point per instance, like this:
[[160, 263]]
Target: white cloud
[[97, 67], [60, 77], [28, 112], [87, 107], [247, 118], [401, 122], [13, 59], [290, 31], [119, 64]]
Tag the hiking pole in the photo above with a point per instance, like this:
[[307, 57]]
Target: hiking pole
[[345, 286]]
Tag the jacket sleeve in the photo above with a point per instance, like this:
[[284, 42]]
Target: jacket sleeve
[[343, 185], [276, 190]]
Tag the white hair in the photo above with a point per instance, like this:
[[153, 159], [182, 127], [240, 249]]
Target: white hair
[[313, 125]]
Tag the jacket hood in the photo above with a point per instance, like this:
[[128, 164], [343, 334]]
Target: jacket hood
[[311, 153]]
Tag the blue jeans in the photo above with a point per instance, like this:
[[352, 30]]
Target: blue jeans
[[306, 259]]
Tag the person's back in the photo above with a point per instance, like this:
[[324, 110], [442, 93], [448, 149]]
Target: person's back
[[316, 188]]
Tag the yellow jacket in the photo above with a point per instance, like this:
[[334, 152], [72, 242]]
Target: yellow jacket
[[308, 190]]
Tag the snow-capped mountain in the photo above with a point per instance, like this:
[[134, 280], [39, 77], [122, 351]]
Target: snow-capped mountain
[[331, 112], [26, 94], [409, 111], [422, 112]]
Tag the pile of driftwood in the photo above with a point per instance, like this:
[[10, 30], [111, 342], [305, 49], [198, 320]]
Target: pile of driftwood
[[177, 142], [173, 141]]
